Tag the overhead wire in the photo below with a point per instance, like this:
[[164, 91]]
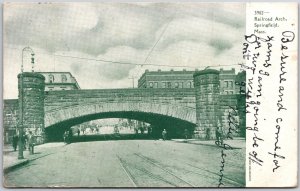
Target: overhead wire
[[127, 63]]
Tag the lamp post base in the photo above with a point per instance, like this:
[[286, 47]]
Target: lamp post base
[[20, 157]]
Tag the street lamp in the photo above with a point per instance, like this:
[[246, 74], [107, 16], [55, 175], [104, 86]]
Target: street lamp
[[28, 49], [21, 123]]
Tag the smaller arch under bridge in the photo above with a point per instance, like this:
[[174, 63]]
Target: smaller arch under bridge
[[171, 109]]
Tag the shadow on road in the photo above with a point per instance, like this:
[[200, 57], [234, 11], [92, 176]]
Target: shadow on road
[[108, 137]]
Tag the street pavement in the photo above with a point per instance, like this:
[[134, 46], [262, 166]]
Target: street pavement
[[132, 163], [10, 157]]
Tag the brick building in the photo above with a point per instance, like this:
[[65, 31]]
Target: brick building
[[53, 81], [10, 109], [59, 81], [227, 81], [166, 79], [184, 79]]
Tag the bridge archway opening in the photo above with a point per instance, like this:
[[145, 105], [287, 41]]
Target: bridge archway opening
[[174, 126]]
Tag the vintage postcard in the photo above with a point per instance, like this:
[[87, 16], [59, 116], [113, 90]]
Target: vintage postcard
[[150, 95]]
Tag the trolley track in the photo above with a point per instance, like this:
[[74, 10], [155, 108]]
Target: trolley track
[[203, 172], [127, 172], [129, 168], [164, 169]]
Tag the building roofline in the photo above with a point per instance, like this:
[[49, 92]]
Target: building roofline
[[206, 71], [63, 73], [54, 72]]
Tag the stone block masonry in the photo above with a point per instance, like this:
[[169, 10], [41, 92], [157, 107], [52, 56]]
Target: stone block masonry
[[206, 83], [202, 106], [31, 104]]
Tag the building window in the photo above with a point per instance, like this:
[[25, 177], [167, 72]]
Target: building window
[[169, 84], [189, 84], [226, 84], [176, 85], [181, 85], [155, 84], [51, 78], [163, 84], [151, 84], [231, 84], [63, 78]]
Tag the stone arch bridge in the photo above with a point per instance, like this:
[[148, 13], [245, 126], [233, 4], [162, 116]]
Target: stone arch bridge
[[172, 109], [49, 113]]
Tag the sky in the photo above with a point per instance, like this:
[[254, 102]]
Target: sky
[[125, 38]]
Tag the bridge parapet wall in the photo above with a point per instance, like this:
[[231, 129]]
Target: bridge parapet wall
[[55, 100]]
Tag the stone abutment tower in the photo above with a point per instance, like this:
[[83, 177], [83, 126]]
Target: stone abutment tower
[[31, 104], [206, 83]]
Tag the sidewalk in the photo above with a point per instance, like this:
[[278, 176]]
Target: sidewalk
[[10, 157], [236, 143]]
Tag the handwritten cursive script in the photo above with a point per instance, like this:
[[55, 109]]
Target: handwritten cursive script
[[287, 37]]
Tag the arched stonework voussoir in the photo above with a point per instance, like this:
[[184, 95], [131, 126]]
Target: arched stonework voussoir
[[56, 116]]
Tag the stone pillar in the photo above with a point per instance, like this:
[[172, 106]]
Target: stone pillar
[[206, 84], [31, 104]]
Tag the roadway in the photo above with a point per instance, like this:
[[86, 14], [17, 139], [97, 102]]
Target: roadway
[[132, 163]]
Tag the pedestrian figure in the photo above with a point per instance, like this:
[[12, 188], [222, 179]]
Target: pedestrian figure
[[70, 135], [65, 136], [136, 130], [24, 140], [78, 132], [31, 143], [142, 130], [116, 129], [219, 136], [15, 141], [149, 131], [164, 134], [207, 134], [186, 133]]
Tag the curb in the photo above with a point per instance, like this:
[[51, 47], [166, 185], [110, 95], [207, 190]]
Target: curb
[[24, 162], [197, 143], [14, 166]]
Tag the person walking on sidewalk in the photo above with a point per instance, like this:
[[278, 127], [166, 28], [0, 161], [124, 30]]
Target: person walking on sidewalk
[[15, 141], [24, 140], [186, 134], [78, 132], [31, 143], [70, 136], [150, 132], [164, 134]]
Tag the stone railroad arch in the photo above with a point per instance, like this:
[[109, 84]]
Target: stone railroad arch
[[153, 113]]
